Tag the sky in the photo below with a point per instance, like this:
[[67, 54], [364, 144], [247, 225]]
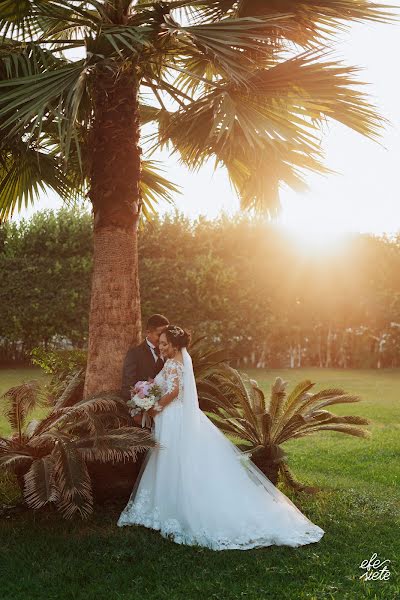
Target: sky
[[363, 197]]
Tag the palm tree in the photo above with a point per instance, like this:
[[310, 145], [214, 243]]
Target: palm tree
[[259, 426], [246, 83], [53, 459]]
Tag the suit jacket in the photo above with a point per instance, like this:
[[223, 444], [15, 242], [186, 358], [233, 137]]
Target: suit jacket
[[139, 365]]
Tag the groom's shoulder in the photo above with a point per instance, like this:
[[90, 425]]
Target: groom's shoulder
[[136, 349]]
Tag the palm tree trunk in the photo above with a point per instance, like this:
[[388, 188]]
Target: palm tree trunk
[[114, 322]]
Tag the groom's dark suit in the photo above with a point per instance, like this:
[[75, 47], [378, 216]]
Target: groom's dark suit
[[139, 365]]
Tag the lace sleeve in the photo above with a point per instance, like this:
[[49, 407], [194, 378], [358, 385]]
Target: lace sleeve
[[173, 378]]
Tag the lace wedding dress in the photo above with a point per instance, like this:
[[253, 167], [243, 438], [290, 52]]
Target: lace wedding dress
[[196, 489]]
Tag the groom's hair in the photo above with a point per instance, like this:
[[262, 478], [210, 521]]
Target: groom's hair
[[156, 321]]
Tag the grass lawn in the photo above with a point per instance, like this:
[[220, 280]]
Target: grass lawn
[[43, 557]]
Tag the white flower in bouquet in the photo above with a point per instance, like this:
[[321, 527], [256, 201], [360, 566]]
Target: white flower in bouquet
[[145, 394]]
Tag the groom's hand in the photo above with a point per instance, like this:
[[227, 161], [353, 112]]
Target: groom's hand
[[137, 419], [153, 413]]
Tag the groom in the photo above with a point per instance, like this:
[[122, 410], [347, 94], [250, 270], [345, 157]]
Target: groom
[[144, 361]]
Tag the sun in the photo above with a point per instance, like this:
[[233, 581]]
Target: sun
[[314, 238], [314, 226]]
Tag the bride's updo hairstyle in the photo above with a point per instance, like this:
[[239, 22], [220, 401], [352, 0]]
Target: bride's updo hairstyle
[[177, 336]]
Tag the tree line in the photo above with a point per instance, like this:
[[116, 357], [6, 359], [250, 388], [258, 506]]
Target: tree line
[[242, 282]]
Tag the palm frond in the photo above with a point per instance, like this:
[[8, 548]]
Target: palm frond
[[315, 17], [241, 101], [217, 397], [149, 113], [72, 384], [288, 416], [25, 19], [294, 399], [40, 487], [73, 480], [232, 427], [19, 401], [277, 399], [205, 357], [309, 85], [155, 188], [254, 393], [26, 172], [105, 402], [342, 428], [124, 42], [13, 456], [324, 416], [225, 43], [325, 398], [273, 119], [285, 430], [232, 382], [95, 424], [25, 59], [116, 445], [257, 184], [53, 421], [196, 69], [56, 94], [194, 12], [50, 455]]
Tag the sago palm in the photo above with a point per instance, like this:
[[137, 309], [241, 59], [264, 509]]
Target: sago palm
[[52, 457], [260, 426], [245, 83]]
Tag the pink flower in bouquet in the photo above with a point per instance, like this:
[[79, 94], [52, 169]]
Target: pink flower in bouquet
[[141, 387], [144, 395]]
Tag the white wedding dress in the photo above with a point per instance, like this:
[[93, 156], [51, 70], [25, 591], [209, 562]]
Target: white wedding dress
[[196, 489]]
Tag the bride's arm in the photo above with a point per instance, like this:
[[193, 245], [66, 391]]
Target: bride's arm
[[164, 400], [171, 395]]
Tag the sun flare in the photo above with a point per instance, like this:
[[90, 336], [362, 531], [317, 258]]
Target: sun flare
[[314, 238]]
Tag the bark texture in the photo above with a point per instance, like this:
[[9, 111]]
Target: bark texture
[[114, 321]]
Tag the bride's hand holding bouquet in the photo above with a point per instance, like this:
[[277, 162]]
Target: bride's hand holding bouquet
[[144, 401]]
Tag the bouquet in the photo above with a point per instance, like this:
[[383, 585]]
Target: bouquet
[[144, 395]]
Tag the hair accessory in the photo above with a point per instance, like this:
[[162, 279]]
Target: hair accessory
[[176, 331]]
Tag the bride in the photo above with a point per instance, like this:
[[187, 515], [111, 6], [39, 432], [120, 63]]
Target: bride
[[195, 488]]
